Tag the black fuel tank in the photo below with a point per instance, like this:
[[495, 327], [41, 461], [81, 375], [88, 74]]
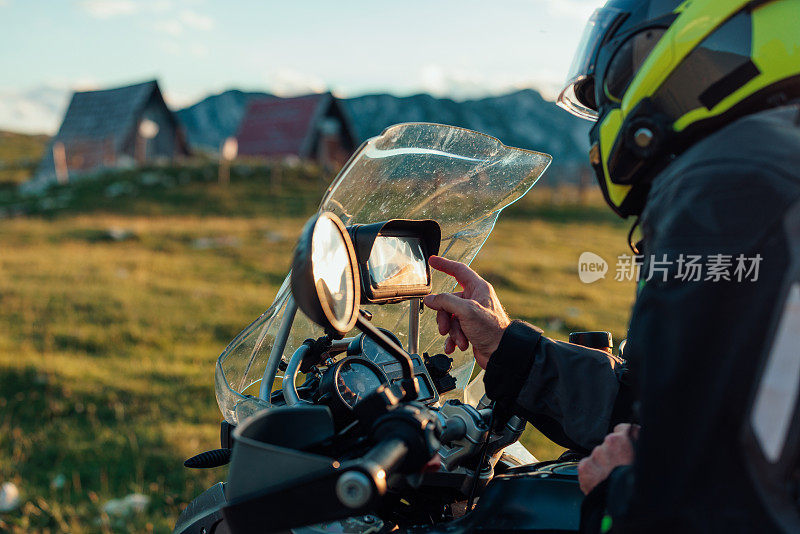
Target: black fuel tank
[[538, 498]]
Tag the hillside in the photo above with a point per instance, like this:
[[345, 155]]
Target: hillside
[[19, 155], [189, 189]]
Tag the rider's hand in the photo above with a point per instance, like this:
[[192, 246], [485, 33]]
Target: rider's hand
[[616, 450], [433, 465], [473, 315]]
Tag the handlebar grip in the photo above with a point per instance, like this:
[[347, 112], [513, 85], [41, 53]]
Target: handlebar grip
[[454, 429], [388, 454]]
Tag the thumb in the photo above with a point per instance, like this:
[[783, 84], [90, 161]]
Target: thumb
[[449, 303]]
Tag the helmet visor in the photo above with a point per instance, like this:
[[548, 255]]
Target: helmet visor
[[573, 96]]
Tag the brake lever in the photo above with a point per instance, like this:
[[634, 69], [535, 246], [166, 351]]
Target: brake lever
[[506, 429], [509, 434]]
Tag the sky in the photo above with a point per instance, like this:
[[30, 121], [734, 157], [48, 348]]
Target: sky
[[454, 48]]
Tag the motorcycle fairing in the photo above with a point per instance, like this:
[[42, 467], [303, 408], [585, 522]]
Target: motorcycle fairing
[[459, 178]]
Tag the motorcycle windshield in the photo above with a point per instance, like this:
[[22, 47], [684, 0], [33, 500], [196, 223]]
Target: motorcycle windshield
[[460, 178]]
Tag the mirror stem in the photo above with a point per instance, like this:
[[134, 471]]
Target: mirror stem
[[276, 355], [409, 383], [413, 325]]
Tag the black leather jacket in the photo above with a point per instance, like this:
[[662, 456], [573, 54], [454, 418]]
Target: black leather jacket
[[693, 345]]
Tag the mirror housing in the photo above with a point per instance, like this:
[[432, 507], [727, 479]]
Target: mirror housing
[[325, 256], [310, 290]]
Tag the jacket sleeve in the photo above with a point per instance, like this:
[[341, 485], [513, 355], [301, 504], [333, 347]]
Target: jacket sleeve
[[565, 390]]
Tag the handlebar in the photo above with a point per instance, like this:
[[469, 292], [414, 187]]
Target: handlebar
[[289, 387], [389, 454], [290, 375], [453, 429], [356, 488]]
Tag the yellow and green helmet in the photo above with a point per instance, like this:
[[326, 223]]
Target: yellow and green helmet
[[658, 75]]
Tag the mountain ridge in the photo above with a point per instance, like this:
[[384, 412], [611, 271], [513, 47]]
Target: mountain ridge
[[523, 119]]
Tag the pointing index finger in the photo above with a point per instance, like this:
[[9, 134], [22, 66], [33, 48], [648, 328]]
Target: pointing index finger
[[449, 303], [460, 271]]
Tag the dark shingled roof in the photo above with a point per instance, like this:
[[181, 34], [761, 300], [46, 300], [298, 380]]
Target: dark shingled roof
[[103, 121], [106, 114]]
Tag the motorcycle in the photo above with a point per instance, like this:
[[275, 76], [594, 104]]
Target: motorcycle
[[334, 416]]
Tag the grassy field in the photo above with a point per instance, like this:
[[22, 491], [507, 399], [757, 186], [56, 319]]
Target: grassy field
[[19, 155], [117, 295]]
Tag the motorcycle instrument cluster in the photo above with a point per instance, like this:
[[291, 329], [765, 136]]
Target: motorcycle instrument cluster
[[367, 366], [348, 381], [367, 348]]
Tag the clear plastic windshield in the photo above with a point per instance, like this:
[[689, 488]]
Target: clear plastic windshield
[[459, 178]]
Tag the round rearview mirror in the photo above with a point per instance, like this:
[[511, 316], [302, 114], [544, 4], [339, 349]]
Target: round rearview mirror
[[325, 281]]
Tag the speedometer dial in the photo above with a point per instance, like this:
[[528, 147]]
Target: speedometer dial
[[346, 383], [370, 350], [355, 380]]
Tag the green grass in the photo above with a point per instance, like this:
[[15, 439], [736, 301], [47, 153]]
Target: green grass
[[107, 347], [19, 155]]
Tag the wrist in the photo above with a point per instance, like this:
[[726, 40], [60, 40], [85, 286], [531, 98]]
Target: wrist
[[504, 323], [510, 363], [497, 337]]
